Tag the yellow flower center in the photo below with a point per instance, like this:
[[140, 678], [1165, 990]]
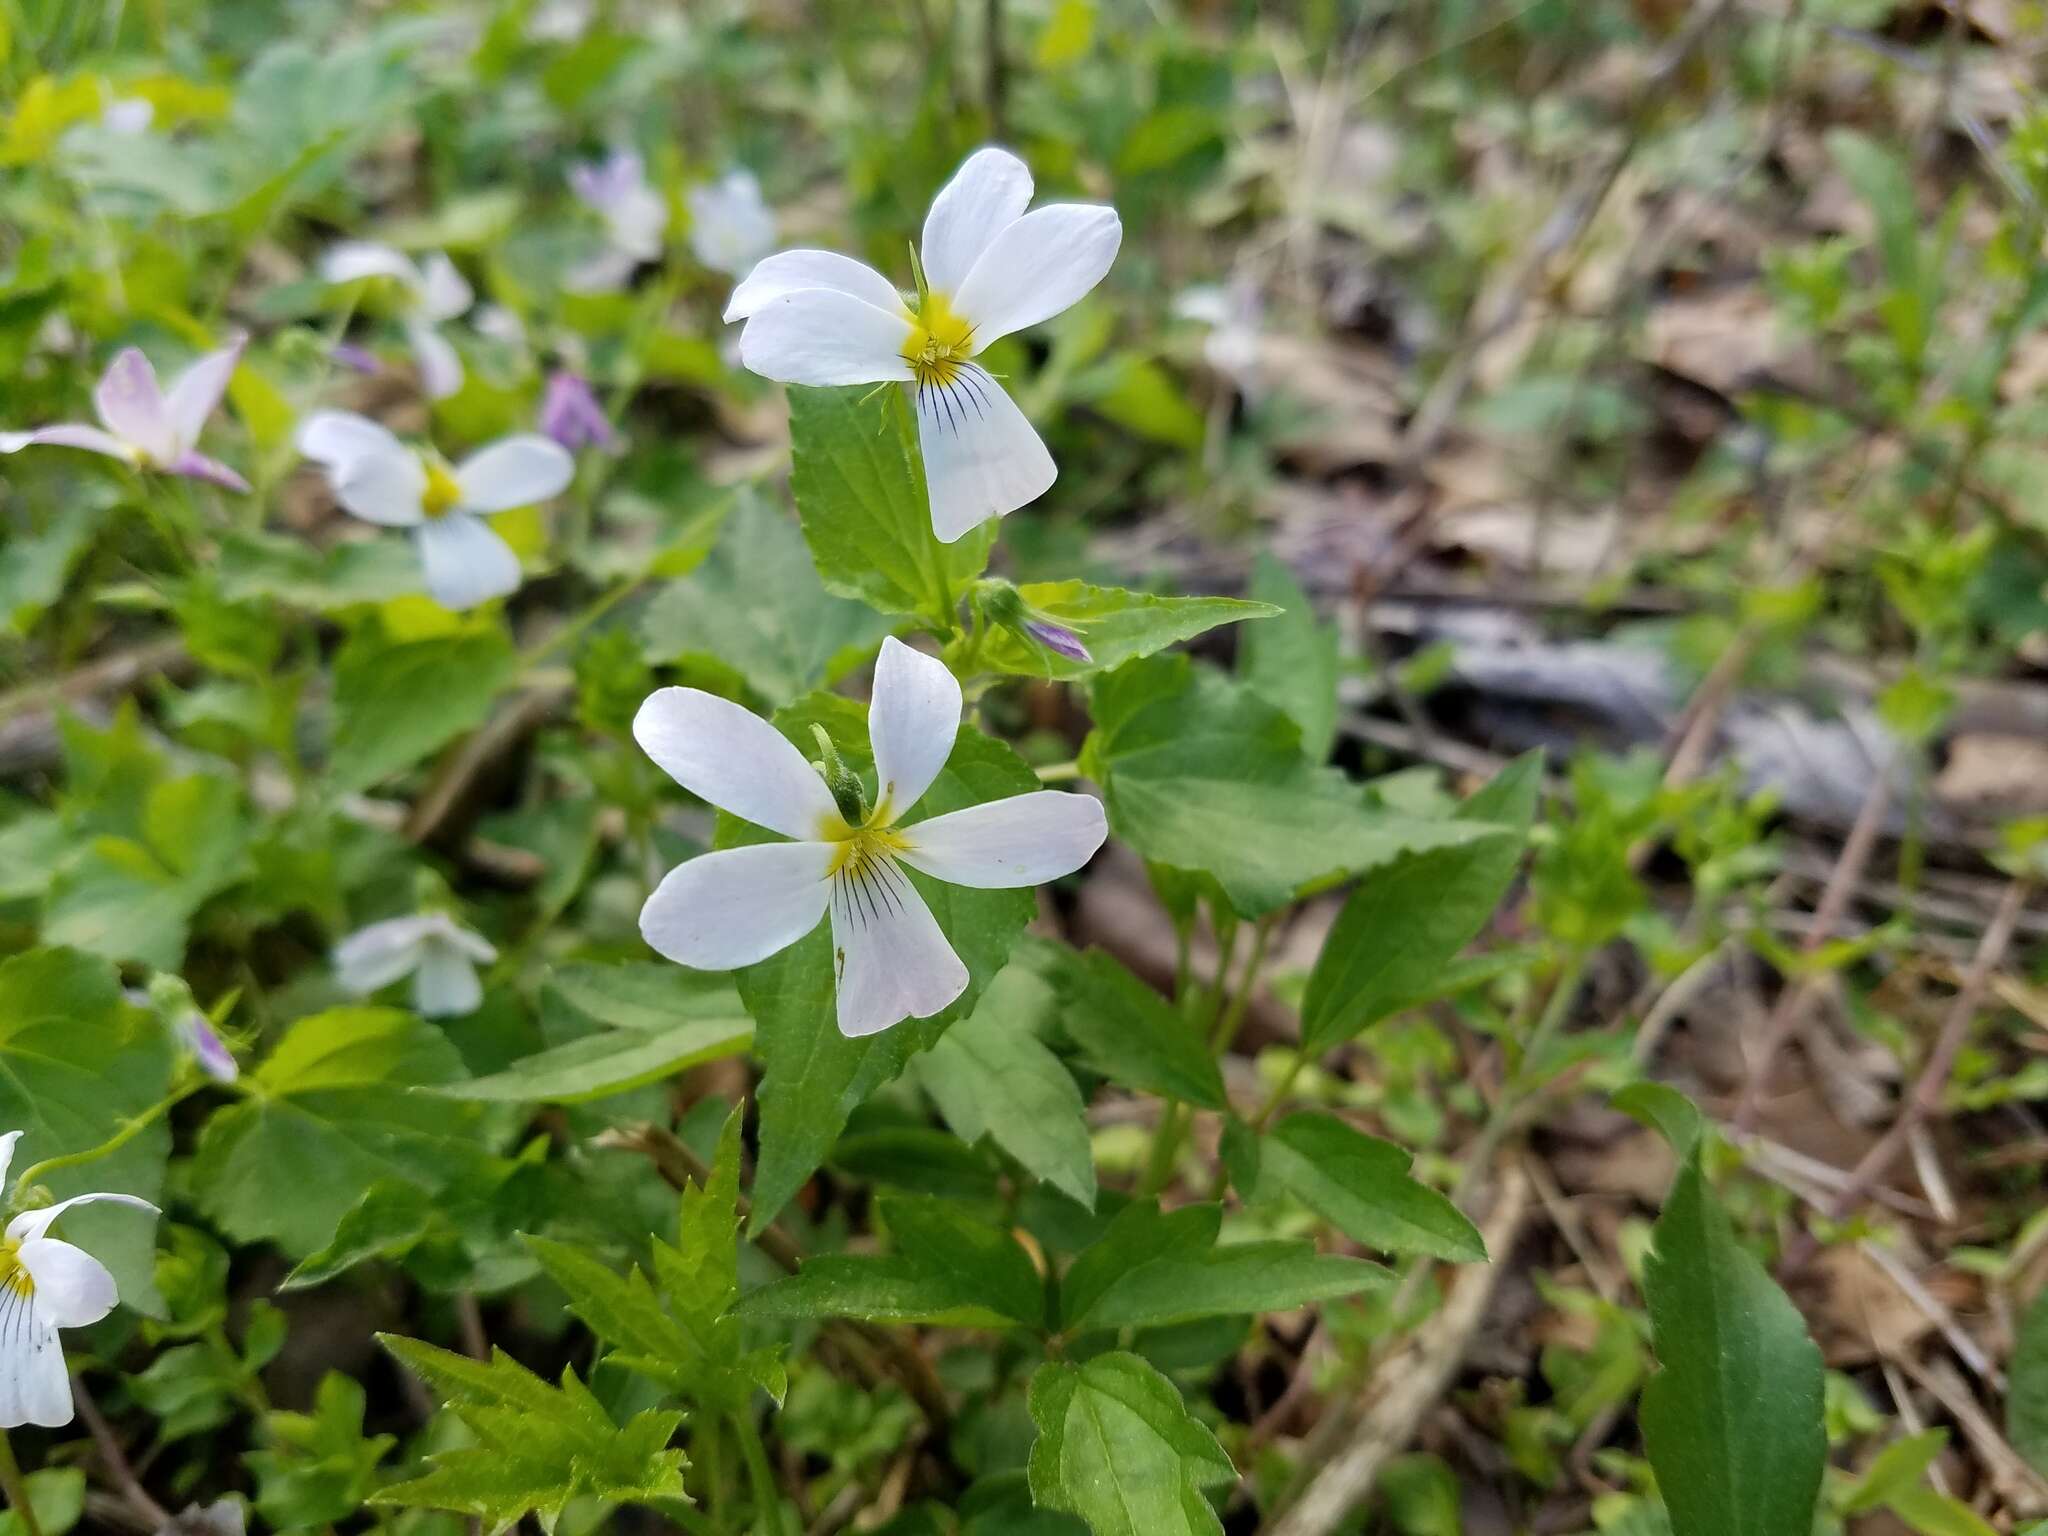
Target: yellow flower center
[[939, 344], [14, 1275], [442, 494], [859, 853]]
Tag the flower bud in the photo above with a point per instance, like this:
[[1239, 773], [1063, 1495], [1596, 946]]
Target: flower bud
[[844, 783], [571, 415]]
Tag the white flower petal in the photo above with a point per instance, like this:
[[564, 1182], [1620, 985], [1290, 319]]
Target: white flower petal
[[7, 1155], [31, 1225], [731, 225], [794, 271], [1024, 840], [912, 721], [445, 986], [73, 1289], [819, 336], [987, 194], [439, 364], [466, 563], [514, 472], [356, 259], [444, 291], [131, 405], [736, 760], [198, 389], [34, 1386], [727, 909], [474, 945], [606, 272], [1044, 263], [374, 957], [893, 962], [69, 434], [335, 437], [982, 456], [382, 487]]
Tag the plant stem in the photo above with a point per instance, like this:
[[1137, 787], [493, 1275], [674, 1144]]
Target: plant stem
[[1059, 773], [768, 1508], [130, 1129], [16, 1488]]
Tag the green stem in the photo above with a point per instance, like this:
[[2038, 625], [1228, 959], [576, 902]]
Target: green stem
[[711, 1457], [768, 1508], [1059, 773], [1280, 1091], [16, 1488], [130, 1129]]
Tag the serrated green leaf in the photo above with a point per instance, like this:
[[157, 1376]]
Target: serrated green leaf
[[1115, 625], [1733, 1419], [1199, 772], [75, 1065], [858, 477], [1125, 1030], [1666, 1111], [397, 701], [333, 1111], [947, 1269], [1139, 1234], [1117, 1447], [1406, 922], [756, 605], [1362, 1185], [812, 1076], [1291, 661], [647, 1021], [538, 1446], [1271, 1276], [991, 1075]]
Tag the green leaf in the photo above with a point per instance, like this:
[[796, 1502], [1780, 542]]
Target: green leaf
[[1125, 1030], [134, 899], [1899, 1466], [1118, 1447], [1733, 1419], [537, 1447], [1199, 772], [1935, 1514], [397, 701], [756, 605], [858, 477], [1139, 1234], [1665, 1110], [75, 1066], [812, 1076], [1271, 1276], [56, 1495], [1407, 922], [332, 1112], [317, 1468], [991, 1075], [1292, 662], [645, 1022], [1117, 626], [1362, 1186], [947, 1269], [2026, 1402]]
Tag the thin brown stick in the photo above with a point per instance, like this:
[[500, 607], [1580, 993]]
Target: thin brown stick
[[1409, 1383], [1925, 1098], [1795, 1002], [152, 1515]]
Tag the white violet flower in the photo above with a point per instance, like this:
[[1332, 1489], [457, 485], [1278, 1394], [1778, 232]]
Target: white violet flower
[[988, 268], [438, 953], [430, 294], [381, 480], [732, 907], [45, 1285], [731, 224], [635, 219], [143, 424]]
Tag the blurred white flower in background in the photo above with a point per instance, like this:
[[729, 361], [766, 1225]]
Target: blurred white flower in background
[[143, 424], [45, 1284], [381, 480], [635, 219], [730, 908], [430, 293], [1234, 313], [438, 953], [987, 268], [731, 225]]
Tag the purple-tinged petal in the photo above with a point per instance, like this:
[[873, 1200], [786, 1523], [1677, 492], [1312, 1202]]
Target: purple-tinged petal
[[207, 1047], [570, 414], [192, 398], [69, 434], [358, 359], [1058, 639], [131, 406], [197, 466]]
